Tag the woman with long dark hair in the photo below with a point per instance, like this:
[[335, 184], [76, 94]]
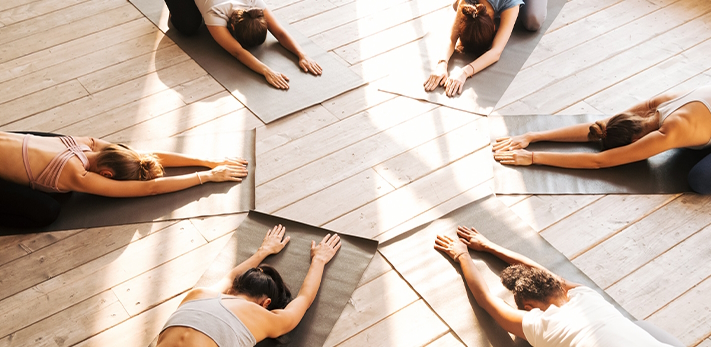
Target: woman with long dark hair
[[251, 303], [475, 31]]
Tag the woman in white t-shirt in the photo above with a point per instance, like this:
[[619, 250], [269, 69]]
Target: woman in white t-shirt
[[237, 25], [551, 311]]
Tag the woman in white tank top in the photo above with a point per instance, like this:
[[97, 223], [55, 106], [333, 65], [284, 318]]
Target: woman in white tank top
[[665, 122]]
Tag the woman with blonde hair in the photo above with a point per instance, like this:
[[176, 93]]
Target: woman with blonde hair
[[476, 31], [667, 121], [236, 25], [36, 165]]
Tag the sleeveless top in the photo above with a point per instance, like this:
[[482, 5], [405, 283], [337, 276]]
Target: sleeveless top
[[701, 94], [49, 177], [211, 317]]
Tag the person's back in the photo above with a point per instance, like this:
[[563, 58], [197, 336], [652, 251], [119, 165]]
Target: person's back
[[586, 320]]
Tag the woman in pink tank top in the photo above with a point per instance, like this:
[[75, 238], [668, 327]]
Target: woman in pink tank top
[[49, 163], [667, 121]]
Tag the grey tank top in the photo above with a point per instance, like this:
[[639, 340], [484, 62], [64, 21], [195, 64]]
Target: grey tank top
[[701, 94], [211, 317]]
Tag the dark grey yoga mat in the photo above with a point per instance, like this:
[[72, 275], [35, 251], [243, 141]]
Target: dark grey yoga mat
[[438, 280], [483, 90], [661, 174], [81, 210], [340, 278], [250, 88]]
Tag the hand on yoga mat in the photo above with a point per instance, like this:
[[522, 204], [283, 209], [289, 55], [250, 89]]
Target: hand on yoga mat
[[455, 83], [511, 143], [225, 173], [274, 241], [453, 248], [472, 238], [437, 78], [519, 157], [309, 65], [326, 249], [276, 79]]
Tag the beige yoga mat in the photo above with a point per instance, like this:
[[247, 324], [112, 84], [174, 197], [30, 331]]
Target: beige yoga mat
[[664, 173], [483, 90], [438, 280], [250, 88], [79, 210], [340, 277]]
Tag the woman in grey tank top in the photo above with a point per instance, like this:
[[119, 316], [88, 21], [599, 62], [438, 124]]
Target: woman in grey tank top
[[251, 303], [667, 121]]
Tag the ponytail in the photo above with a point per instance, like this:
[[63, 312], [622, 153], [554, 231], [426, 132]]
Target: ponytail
[[264, 280]]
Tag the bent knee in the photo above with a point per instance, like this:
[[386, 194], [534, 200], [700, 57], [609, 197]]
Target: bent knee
[[700, 180], [532, 22]]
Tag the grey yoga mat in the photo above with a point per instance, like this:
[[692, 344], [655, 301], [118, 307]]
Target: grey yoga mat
[[439, 282], [483, 90], [340, 276], [250, 88], [661, 174], [79, 210]]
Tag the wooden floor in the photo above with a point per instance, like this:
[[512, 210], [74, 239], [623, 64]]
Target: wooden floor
[[366, 162]]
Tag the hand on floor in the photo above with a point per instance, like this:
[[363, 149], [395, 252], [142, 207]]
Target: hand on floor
[[455, 83], [510, 143], [275, 241], [309, 65], [472, 238], [437, 78], [453, 248], [277, 79]]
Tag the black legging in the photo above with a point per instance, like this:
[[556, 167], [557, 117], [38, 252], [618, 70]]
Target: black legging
[[184, 15], [700, 176], [24, 207]]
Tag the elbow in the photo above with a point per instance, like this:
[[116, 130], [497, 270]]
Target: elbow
[[495, 55], [152, 188]]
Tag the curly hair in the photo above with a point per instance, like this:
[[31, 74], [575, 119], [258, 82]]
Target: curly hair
[[476, 29], [530, 284]]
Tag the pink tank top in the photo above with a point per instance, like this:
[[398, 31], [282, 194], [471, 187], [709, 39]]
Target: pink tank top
[[49, 178]]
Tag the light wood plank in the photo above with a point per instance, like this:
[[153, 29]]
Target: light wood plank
[[601, 220], [173, 277], [342, 15], [287, 129], [541, 211], [10, 4], [16, 246], [303, 9], [241, 119], [137, 331], [643, 241], [705, 343], [377, 22], [405, 203], [72, 325], [338, 199], [357, 157], [69, 253], [76, 48], [415, 325], [377, 267], [578, 10], [430, 156], [510, 200], [688, 317], [448, 340], [106, 100], [646, 290], [357, 100], [48, 15], [82, 282], [332, 138], [580, 108], [212, 227], [14, 114], [68, 32], [371, 303]]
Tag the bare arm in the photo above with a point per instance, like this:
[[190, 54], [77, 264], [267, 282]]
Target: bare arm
[[285, 39], [509, 318], [273, 243], [78, 180], [287, 319], [170, 159], [455, 83], [439, 75]]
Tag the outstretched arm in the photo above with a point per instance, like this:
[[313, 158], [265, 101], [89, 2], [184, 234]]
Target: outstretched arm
[[508, 317], [170, 159], [285, 39], [273, 243], [455, 83], [439, 75], [286, 320], [573, 133]]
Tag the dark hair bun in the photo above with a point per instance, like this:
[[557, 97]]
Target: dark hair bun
[[255, 13], [511, 275], [597, 130], [474, 11], [264, 280]]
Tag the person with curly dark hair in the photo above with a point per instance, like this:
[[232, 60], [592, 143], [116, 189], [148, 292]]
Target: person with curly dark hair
[[551, 310], [237, 25], [251, 303]]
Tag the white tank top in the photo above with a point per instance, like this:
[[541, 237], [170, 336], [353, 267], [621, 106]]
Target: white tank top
[[701, 94]]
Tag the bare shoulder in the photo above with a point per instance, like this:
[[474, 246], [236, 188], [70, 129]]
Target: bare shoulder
[[664, 97]]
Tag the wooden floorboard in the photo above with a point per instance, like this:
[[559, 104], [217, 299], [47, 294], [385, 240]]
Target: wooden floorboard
[[366, 162]]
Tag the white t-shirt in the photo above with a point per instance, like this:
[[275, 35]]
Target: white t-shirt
[[217, 12], [587, 320]]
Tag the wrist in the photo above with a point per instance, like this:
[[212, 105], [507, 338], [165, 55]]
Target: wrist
[[462, 256], [263, 253], [318, 262]]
